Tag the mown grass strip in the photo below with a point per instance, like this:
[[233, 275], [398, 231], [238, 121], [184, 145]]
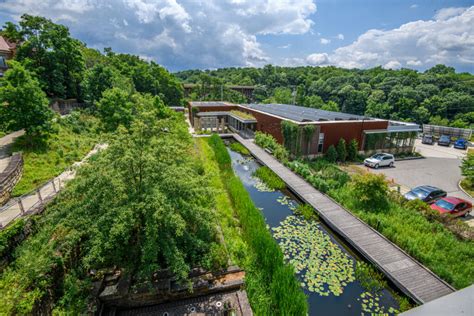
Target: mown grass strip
[[286, 295]]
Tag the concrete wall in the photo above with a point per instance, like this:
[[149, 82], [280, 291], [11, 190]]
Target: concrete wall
[[10, 176]]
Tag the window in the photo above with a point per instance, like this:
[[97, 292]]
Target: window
[[3, 63], [320, 142]]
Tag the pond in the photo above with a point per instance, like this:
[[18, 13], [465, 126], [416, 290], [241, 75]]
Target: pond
[[324, 264]]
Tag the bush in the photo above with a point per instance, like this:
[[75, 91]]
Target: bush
[[268, 141], [270, 178], [331, 154], [352, 150], [341, 150], [370, 191]]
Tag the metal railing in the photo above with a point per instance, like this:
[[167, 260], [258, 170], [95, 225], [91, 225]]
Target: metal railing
[[33, 201]]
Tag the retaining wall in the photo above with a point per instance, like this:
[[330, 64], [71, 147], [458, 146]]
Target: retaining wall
[[10, 177]]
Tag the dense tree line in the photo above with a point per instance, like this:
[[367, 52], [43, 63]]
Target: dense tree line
[[439, 95], [50, 64]]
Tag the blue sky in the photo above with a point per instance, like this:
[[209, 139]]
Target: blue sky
[[191, 34]]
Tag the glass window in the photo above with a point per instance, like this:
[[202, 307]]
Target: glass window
[[3, 62], [320, 142]]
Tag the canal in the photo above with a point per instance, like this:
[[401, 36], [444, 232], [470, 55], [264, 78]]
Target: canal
[[325, 265]]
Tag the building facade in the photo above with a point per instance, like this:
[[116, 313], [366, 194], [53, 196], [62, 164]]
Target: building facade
[[313, 130], [7, 51]]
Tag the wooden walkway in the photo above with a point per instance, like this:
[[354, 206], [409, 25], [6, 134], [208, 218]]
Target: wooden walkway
[[409, 275]]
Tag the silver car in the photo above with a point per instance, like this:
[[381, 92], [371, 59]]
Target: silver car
[[380, 160]]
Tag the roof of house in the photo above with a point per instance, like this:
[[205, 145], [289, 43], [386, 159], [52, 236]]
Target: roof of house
[[304, 114], [4, 45], [211, 103]]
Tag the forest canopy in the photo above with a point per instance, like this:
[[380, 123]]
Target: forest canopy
[[439, 95]]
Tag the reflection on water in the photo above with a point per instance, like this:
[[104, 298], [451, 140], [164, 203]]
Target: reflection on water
[[324, 264]]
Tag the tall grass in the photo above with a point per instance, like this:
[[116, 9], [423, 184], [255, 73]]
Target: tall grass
[[238, 147], [72, 142], [286, 295], [270, 178]]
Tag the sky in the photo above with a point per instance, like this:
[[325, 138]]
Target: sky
[[209, 34]]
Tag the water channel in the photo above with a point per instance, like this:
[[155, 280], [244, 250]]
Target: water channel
[[324, 264]]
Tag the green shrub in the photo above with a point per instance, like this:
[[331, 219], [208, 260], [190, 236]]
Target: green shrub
[[268, 141], [352, 150], [341, 150], [331, 154], [8, 235], [287, 297], [370, 191], [270, 178]]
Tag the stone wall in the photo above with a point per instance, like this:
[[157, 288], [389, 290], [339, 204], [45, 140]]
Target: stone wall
[[10, 176], [64, 107]]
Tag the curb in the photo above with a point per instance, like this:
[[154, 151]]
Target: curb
[[462, 189]]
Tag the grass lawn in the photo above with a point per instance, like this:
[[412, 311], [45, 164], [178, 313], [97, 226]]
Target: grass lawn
[[76, 136]]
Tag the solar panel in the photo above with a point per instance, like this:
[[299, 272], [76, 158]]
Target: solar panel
[[302, 114]]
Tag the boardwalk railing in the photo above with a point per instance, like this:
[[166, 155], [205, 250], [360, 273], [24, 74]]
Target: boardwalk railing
[[34, 201]]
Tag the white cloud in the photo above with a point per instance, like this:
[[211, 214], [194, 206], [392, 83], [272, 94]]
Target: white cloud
[[325, 41], [285, 46], [340, 36], [318, 59], [448, 38], [414, 6], [180, 34]]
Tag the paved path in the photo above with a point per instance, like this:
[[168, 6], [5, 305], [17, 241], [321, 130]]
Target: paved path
[[12, 209], [409, 275]]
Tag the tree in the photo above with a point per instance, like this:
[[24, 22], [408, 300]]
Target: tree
[[115, 108], [370, 191], [352, 150], [331, 154], [23, 104], [49, 51], [330, 106], [341, 150], [313, 101]]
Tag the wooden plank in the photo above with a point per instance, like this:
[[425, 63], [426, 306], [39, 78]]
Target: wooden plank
[[410, 275]]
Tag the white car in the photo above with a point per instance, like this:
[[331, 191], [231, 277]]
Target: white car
[[380, 160]]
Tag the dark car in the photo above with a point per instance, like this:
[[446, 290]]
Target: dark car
[[426, 193], [460, 143], [427, 139], [444, 140]]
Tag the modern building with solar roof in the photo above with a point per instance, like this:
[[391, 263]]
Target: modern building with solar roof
[[326, 127]]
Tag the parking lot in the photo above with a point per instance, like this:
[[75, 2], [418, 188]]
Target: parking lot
[[439, 168]]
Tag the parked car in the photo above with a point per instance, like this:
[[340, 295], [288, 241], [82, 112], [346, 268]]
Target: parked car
[[452, 205], [426, 193], [444, 140], [427, 139], [380, 160], [461, 143]]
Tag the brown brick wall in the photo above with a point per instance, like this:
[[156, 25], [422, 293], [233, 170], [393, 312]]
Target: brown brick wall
[[348, 130]]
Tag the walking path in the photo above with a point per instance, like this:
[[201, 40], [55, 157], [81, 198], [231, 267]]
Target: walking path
[[409, 275], [29, 202]]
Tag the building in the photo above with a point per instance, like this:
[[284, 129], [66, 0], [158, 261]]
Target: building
[[311, 131], [7, 51]]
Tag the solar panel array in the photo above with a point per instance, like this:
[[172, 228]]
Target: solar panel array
[[304, 114]]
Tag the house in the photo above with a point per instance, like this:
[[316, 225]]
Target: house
[[313, 130], [7, 51]]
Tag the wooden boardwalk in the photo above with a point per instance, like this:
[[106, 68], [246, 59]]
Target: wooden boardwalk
[[409, 275]]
